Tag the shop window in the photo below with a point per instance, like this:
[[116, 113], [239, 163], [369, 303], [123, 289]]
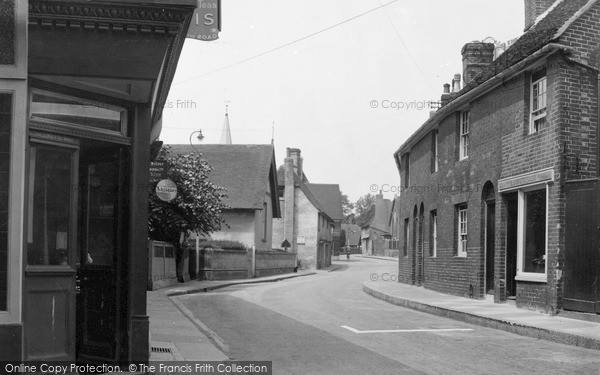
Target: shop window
[[538, 101], [464, 135], [5, 136], [69, 112], [461, 250], [433, 234], [532, 241], [7, 32], [50, 204]]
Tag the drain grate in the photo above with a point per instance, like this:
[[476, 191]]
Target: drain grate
[[160, 350]]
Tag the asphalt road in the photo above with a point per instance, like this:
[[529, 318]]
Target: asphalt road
[[326, 324]]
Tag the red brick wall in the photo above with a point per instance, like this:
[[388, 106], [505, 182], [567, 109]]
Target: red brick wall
[[456, 182]]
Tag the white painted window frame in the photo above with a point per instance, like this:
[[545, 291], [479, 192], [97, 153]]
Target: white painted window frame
[[434, 217], [464, 129], [541, 112], [463, 213], [436, 151], [522, 209]]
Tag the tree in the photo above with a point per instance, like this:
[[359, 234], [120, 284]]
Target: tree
[[365, 209], [197, 207], [348, 210], [342, 239]]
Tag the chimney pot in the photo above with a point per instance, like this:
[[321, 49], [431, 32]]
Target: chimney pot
[[456, 83]]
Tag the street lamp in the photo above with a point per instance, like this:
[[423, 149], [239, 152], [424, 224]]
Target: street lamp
[[200, 137]]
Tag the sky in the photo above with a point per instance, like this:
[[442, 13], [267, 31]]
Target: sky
[[345, 81]]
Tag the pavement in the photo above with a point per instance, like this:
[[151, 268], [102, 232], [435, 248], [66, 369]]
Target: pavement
[[569, 328], [176, 335]]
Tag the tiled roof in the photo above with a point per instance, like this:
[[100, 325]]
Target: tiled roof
[[381, 217], [330, 199], [242, 169]]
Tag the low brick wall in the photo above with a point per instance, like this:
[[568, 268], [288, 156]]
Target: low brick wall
[[219, 264], [274, 263]]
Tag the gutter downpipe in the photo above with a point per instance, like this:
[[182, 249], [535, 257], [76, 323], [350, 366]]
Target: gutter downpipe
[[481, 89]]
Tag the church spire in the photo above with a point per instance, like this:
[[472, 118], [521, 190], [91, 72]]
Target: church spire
[[226, 133]]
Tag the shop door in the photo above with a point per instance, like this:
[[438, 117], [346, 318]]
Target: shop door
[[582, 251], [512, 216], [99, 308], [51, 252]]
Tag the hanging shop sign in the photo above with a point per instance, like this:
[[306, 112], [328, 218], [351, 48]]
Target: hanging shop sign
[[166, 190], [206, 21]]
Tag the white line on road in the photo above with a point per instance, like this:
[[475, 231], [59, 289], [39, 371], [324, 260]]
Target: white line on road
[[407, 330]]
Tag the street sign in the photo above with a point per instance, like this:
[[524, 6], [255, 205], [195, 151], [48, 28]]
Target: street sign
[[206, 21], [158, 170], [166, 190]]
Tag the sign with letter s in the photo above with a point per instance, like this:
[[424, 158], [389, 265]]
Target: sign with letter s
[[206, 21]]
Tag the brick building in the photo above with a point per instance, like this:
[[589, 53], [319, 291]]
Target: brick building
[[500, 185], [376, 234]]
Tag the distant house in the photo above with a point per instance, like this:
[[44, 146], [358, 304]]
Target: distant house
[[352, 237], [311, 215], [376, 233], [249, 174], [329, 197]]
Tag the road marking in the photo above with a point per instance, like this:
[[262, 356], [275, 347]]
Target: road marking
[[407, 330]]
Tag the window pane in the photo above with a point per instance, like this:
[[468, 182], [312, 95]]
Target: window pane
[[49, 106], [7, 32], [5, 128], [102, 199], [535, 232], [50, 198]]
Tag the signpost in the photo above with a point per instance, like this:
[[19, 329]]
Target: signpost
[[158, 170]]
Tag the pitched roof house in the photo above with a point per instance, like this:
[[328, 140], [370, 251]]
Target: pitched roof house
[[311, 217], [376, 232], [249, 174], [501, 185]]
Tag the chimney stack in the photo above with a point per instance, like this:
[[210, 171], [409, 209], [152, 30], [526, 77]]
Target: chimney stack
[[533, 8], [476, 56], [446, 94], [289, 232], [456, 83], [294, 154]]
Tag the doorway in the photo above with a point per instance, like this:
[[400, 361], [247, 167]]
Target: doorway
[[512, 215], [74, 232], [489, 235]]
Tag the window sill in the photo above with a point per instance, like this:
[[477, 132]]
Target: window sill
[[461, 256], [532, 277]]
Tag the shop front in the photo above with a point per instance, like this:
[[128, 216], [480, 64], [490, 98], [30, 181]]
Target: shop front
[[81, 92]]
